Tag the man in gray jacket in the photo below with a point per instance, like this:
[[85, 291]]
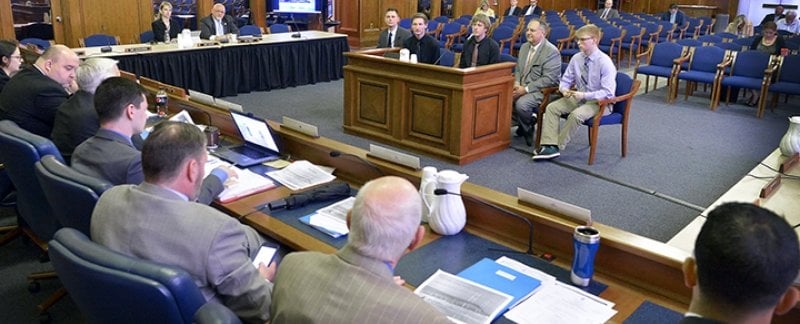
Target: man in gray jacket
[[538, 66]]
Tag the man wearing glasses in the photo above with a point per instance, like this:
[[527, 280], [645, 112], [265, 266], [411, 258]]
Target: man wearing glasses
[[590, 76]]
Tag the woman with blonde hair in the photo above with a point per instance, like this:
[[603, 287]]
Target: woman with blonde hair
[[484, 9], [740, 26], [164, 27]]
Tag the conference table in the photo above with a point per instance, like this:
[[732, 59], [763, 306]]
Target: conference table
[[275, 61], [641, 276]]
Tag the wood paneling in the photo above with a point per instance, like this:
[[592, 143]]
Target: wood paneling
[[7, 27]]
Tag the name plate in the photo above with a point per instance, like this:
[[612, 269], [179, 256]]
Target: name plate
[[136, 49], [300, 127], [207, 43], [393, 156], [243, 39]]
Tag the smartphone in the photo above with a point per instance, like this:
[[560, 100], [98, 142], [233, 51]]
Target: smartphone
[[265, 254]]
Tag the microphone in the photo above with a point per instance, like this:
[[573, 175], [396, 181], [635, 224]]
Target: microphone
[[440, 58], [332, 191], [364, 161], [442, 192], [294, 22]]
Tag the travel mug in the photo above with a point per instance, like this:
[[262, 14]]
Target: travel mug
[[212, 136], [586, 240]]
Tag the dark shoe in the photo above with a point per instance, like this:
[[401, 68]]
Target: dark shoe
[[529, 136], [547, 152], [520, 131]]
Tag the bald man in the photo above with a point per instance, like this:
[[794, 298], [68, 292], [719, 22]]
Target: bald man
[[217, 24], [356, 284], [33, 95]]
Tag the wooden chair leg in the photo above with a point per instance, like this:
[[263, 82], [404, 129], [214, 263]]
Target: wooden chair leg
[[646, 83], [624, 139], [52, 300], [592, 143]]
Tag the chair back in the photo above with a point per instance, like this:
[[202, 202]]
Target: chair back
[[730, 46], [447, 58], [706, 58], [556, 33], [788, 66], [99, 40], [110, 287], [250, 30], [624, 86], [689, 42], [40, 43], [279, 28], [71, 194], [750, 64], [19, 151], [147, 37], [405, 23], [664, 53], [711, 39], [442, 19]]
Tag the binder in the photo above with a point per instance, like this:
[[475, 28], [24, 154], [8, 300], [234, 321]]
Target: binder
[[491, 274]]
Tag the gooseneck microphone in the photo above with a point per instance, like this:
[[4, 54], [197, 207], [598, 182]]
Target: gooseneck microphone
[[364, 161], [442, 192], [297, 30]]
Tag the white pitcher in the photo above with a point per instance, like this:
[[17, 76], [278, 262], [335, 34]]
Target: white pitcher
[[790, 143], [448, 216]]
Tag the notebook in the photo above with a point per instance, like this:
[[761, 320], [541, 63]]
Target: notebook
[[259, 142]]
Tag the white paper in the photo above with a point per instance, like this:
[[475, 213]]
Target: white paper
[[329, 223], [462, 300], [245, 182], [333, 218], [557, 303], [525, 269], [300, 175]]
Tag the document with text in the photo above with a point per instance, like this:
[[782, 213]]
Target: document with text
[[245, 182], [462, 300], [300, 175]]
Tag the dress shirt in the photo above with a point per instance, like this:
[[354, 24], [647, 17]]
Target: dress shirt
[[426, 48], [601, 76], [218, 26], [792, 27], [488, 52]]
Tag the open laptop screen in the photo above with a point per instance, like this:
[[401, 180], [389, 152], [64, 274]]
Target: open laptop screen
[[254, 131]]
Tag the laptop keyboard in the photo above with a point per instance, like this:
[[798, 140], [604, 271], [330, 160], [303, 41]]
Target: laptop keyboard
[[248, 152]]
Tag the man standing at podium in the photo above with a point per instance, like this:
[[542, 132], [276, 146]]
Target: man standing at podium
[[539, 66], [423, 45], [356, 284], [480, 49], [744, 263], [394, 35], [593, 76]]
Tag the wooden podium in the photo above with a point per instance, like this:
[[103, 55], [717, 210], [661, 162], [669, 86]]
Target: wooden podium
[[460, 115]]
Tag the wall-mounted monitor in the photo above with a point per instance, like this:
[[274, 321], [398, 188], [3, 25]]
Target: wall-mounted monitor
[[298, 6]]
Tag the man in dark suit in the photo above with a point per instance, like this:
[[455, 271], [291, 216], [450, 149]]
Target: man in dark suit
[[394, 35], [513, 9], [774, 17], [76, 119], [121, 107], [532, 9], [538, 67], [356, 284], [745, 261], [32, 96], [673, 15], [158, 221], [420, 43], [217, 25]]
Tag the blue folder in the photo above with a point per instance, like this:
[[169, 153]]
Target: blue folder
[[491, 274]]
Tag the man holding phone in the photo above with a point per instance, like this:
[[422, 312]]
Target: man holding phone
[[159, 221], [356, 284]]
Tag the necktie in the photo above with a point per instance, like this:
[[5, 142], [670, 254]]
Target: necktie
[[475, 55], [605, 14], [528, 62], [391, 42], [584, 76], [220, 30]]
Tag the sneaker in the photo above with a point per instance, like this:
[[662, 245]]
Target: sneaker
[[547, 152]]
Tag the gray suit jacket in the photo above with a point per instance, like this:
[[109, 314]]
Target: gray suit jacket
[[402, 35], [612, 13], [544, 70], [207, 26], [110, 156], [153, 223], [345, 287]]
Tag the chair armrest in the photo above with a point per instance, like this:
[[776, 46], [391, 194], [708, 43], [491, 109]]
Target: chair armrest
[[681, 59]]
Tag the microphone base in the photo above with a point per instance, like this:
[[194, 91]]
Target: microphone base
[[297, 35]]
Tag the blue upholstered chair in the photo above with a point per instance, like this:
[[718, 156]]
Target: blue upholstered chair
[[748, 70], [448, 58], [405, 23], [442, 19], [689, 42], [450, 34], [611, 42], [110, 287], [710, 39], [41, 44], [279, 28], [659, 62], [99, 40], [700, 67], [147, 37], [650, 37], [71, 194], [214, 313], [788, 80], [250, 30], [667, 30], [730, 46], [503, 36], [632, 41]]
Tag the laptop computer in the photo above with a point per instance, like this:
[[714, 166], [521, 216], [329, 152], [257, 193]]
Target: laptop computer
[[259, 142]]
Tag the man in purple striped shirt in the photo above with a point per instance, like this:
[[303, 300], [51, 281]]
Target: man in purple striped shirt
[[590, 76]]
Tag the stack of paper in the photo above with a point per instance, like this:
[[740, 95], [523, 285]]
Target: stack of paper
[[300, 175], [245, 182], [331, 220]]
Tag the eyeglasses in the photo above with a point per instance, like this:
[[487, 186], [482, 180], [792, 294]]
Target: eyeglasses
[[583, 39], [19, 57]]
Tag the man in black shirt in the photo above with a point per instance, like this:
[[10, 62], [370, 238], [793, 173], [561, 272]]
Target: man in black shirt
[[480, 49], [423, 45]]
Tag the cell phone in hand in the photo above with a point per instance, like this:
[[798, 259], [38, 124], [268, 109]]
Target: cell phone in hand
[[265, 254]]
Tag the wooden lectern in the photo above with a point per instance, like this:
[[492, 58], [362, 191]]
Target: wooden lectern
[[460, 115]]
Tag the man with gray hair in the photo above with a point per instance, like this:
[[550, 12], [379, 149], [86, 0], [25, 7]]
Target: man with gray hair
[[789, 23], [76, 119], [355, 284]]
